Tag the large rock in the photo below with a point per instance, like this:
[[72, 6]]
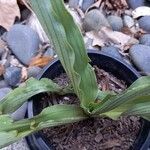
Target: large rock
[[128, 21], [3, 84], [145, 39], [24, 42], [135, 3], [144, 23], [49, 52], [4, 92], [74, 3], [115, 22], [140, 55], [94, 20], [12, 76], [86, 4]]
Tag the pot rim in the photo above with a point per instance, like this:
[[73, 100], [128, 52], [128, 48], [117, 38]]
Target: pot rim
[[38, 138]]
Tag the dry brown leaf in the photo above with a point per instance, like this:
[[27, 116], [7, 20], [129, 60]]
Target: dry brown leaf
[[97, 40], [40, 61], [24, 74], [119, 4], [106, 36], [77, 15], [35, 25], [9, 10], [141, 11], [1, 69], [122, 40]]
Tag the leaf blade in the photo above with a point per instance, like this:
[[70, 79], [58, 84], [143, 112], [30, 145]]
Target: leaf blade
[[11, 131], [69, 46], [18, 96], [138, 92]]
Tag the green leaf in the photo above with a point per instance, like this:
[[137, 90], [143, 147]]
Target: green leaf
[[68, 42], [32, 86], [11, 131], [102, 97], [142, 110], [138, 92]]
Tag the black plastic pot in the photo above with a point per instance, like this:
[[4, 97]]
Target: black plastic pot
[[118, 68]]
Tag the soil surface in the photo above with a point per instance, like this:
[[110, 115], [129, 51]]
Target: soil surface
[[94, 133]]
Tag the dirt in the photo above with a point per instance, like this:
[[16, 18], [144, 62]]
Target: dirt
[[94, 133]]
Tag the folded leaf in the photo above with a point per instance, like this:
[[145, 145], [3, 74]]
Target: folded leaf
[[118, 111], [32, 86], [142, 110], [11, 131], [68, 42], [138, 92]]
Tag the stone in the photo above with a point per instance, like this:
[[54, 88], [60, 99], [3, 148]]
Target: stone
[[12, 76], [1, 52], [33, 71], [112, 51], [135, 3], [3, 84], [74, 3], [140, 55], [128, 21], [20, 113], [4, 92], [22, 145], [24, 42], [86, 4], [145, 39], [115, 22], [94, 20], [144, 23], [49, 52]]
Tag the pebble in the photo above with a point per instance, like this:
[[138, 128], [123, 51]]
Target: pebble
[[115, 22], [34, 71], [140, 55], [49, 52], [22, 145], [128, 21], [4, 92], [145, 39], [86, 4], [74, 3], [3, 84], [12, 76], [94, 20], [1, 52], [113, 51], [144, 23], [135, 3], [23, 41]]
